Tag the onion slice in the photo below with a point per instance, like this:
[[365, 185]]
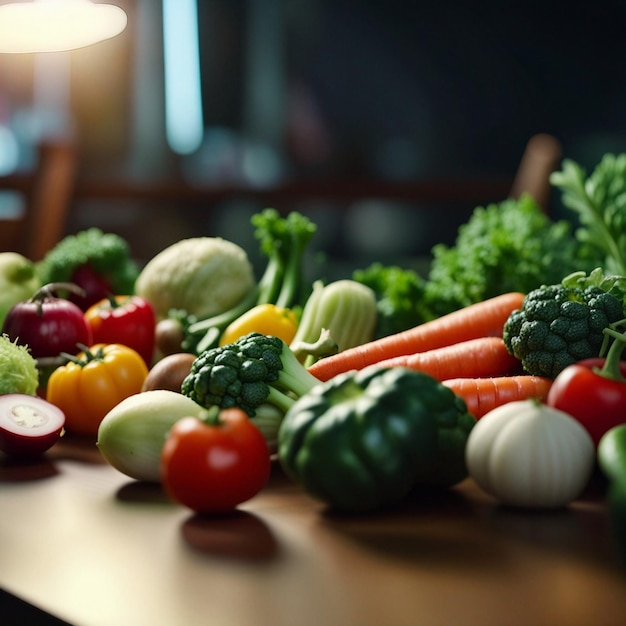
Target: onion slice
[[29, 425]]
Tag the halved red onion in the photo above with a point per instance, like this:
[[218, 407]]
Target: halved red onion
[[29, 425]]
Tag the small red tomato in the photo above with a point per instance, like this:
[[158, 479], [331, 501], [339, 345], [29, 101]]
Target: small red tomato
[[129, 320], [213, 463]]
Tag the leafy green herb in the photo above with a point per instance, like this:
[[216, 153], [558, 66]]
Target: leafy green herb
[[509, 246], [399, 293], [599, 201], [108, 254]]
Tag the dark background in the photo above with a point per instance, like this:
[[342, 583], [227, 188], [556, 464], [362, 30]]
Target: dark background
[[390, 90], [464, 85]]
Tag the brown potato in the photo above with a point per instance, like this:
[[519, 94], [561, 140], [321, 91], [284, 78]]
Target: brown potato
[[169, 336], [169, 372]]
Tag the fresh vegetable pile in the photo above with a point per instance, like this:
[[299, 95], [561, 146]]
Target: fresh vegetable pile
[[283, 240], [502, 365]]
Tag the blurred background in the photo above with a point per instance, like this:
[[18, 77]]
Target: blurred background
[[370, 117]]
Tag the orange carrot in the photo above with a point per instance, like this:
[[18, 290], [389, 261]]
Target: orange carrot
[[474, 358], [484, 394], [483, 319]]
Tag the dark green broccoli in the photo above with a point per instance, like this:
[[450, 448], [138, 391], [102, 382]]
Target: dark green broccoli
[[559, 325], [399, 297], [257, 370], [98, 262]]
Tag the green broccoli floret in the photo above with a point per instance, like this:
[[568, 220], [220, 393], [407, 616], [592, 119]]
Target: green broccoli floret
[[510, 246], [255, 370], [107, 255], [558, 326], [400, 301]]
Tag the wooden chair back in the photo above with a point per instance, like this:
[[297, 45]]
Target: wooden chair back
[[48, 193]]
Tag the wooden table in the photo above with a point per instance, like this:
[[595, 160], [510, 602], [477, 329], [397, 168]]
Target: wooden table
[[94, 548]]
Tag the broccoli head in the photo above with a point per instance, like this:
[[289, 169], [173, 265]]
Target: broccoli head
[[98, 262], [558, 326], [255, 370]]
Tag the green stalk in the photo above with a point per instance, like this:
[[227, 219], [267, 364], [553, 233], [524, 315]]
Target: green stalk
[[604, 232], [611, 368], [223, 319], [288, 294], [271, 281]]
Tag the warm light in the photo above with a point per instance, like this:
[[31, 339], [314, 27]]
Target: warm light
[[57, 25]]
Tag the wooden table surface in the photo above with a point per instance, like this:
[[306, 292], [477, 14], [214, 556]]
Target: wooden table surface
[[94, 548]]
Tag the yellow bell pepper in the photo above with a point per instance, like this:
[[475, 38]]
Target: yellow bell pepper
[[267, 319], [90, 385]]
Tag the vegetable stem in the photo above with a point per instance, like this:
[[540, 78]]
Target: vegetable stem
[[611, 368]]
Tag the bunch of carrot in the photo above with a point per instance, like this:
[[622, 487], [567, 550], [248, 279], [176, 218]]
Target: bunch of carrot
[[463, 349]]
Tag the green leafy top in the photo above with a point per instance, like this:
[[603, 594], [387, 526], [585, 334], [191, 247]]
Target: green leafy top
[[284, 240], [599, 201], [399, 296], [108, 254], [509, 246]]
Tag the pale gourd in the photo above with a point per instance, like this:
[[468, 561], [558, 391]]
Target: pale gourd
[[527, 454], [132, 434]]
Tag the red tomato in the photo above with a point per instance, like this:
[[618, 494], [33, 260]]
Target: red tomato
[[596, 401], [129, 320], [211, 465]]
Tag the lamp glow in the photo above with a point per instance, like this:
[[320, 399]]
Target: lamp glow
[[57, 25]]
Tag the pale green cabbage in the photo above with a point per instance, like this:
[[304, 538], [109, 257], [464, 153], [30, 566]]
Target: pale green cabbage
[[203, 276]]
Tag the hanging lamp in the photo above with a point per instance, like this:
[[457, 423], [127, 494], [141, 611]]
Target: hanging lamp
[[57, 25]]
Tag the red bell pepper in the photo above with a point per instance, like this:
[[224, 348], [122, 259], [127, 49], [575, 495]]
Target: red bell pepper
[[593, 391], [126, 320]]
